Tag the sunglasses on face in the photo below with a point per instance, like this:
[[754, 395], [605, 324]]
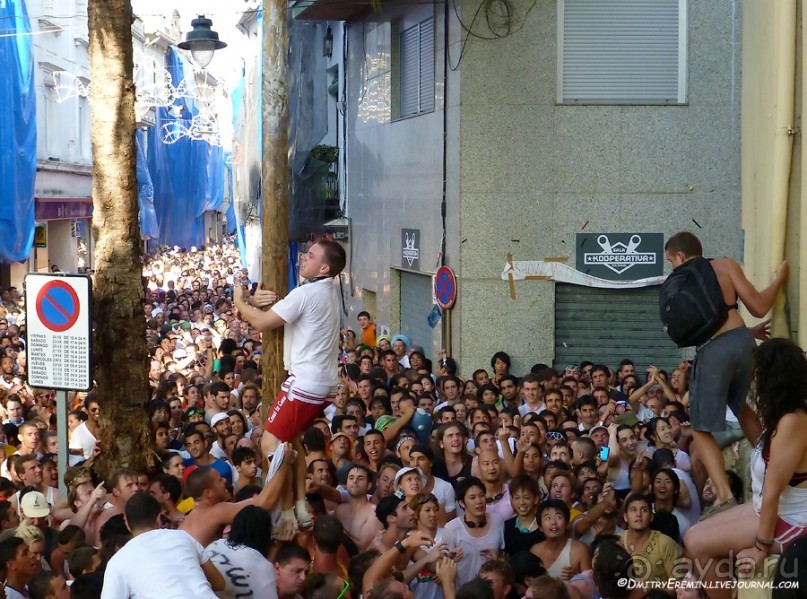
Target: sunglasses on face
[[554, 436]]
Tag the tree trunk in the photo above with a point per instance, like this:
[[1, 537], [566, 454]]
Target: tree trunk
[[275, 183], [119, 343]]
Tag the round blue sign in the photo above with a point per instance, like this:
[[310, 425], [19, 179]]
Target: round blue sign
[[445, 287]]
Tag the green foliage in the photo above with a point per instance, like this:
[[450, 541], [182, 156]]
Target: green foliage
[[326, 154]]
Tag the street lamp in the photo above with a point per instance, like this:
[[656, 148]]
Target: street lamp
[[202, 41]]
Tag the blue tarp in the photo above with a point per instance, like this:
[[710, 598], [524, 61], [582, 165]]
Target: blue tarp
[[145, 192], [187, 175], [17, 132]]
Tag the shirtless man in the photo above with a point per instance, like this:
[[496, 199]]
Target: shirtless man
[[721, 372], [123, 484], [562, 557], [398, 520], [358, 514], [212, 509], [87, 504]]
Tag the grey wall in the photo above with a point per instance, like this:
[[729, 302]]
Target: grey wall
[[525, 174], [533, 172], [394, 167]]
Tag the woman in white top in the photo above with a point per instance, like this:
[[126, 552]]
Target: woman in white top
[[427, 510], [479, 535], [242, 559], [778, 514], [659, 435]]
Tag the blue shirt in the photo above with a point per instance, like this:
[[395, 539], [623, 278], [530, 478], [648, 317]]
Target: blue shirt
[[218, 465]]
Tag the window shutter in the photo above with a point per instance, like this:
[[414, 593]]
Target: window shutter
[[410, 71], [622, 51], [427, 65]]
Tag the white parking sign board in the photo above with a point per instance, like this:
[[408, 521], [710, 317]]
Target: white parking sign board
[[59, 346]]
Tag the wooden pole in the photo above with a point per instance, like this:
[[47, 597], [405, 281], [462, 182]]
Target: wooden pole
[[274, 183]]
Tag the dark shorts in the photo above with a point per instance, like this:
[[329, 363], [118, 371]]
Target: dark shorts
[[721, 376]]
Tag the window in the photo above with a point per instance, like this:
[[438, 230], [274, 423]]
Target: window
[[416, 52], [622, 51]]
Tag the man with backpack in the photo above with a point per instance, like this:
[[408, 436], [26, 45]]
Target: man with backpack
[[698, 306]]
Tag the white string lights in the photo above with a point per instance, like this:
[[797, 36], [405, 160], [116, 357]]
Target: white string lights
[[155, 89]]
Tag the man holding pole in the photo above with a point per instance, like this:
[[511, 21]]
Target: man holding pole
[[310, 317]]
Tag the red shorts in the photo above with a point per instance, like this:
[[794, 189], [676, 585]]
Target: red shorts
[[786, 533], [295, 410]]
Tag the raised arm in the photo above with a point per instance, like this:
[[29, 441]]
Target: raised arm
[[265, 321], [758, 303], [384, 564], [391, 432]]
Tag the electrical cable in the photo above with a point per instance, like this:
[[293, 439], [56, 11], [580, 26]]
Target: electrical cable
[[491, 15]]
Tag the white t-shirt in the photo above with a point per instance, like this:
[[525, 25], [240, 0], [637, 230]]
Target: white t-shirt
[[157, 564], [311, 334], [246, 572], [456, 535], [81, 438], [445, 494], [524, 409], [688, 517]]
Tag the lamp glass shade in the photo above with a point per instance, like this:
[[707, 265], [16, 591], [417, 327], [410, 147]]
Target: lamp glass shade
[[202, 52]]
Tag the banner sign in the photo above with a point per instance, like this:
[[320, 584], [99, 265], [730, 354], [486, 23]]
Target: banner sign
[[620, 256]]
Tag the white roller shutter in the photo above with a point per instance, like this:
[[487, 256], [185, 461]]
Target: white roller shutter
[[622, 51], [416, 50]]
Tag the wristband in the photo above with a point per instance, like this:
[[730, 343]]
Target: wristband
[[762, 548], [400, 547], [766, 542]]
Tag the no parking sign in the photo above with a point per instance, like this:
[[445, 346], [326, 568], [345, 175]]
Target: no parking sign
[[59, 341]]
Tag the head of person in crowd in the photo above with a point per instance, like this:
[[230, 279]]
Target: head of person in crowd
[[500, 364], [48, 585], [470, 494], [252, 527], [291, 564], [553, 518], [174, 465]]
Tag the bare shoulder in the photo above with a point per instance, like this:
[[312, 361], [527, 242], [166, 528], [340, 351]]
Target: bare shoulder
[[725, 264], [793, 422], [579, 546]]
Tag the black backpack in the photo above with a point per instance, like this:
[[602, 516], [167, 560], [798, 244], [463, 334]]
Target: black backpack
[[691, 305]]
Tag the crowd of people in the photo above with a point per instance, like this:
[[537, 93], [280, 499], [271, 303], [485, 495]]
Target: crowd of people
[[395, 475]]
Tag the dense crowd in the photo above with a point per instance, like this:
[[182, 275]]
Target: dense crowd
[[579, 482]]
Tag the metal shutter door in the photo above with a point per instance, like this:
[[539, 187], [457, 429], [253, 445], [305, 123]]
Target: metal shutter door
[[410, 70], [609, 325], [416, 303], [622, 50]]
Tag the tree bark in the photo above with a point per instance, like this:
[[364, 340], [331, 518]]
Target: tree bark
[[275, 183], [121, 363]]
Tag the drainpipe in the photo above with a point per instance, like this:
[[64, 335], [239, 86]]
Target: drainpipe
[[447, 316], [785, 40]]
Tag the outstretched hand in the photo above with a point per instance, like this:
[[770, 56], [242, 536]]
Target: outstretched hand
[[782, 271], [762, 331]]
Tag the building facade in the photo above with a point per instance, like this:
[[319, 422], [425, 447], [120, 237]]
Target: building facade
[[532, 130]]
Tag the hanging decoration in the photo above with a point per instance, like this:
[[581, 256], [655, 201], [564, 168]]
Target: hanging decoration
[[156, 90]]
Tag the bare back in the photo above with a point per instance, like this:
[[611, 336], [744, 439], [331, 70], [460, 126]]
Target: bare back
[[725, 269]]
